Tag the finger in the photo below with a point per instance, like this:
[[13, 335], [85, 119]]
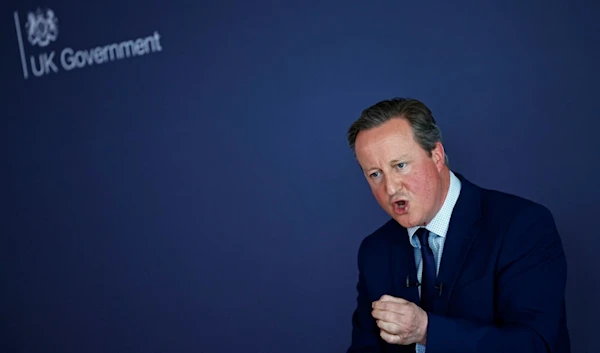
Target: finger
[[384, 315], [398, 308], [390, 338], [389, 298], [389, 327]]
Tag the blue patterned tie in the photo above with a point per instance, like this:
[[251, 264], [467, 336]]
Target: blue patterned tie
[[428, 276]]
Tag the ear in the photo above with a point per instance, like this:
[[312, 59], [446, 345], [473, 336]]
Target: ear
[[438, 154]]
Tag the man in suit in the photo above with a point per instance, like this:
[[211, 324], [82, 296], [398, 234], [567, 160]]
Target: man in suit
[[458, 268]]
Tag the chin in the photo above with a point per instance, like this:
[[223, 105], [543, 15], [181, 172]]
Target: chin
[[404, 221]]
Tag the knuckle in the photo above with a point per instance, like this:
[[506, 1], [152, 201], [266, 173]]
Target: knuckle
[[390, 317]]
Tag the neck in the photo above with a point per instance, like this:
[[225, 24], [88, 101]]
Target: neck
[[445, 176], [444, 187]]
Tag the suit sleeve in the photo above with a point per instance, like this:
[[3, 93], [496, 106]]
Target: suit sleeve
[[365, 333], [530, 281]]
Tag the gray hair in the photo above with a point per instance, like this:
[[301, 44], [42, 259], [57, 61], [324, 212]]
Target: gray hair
[[418, 115]]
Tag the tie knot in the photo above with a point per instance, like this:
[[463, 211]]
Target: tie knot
[[422, 233]]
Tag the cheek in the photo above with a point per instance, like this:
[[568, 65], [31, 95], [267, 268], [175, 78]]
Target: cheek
[[422, 188], [418, 188], [380, 194]]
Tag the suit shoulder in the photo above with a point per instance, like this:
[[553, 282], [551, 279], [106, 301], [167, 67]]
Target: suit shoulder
[[509, 206], [526, 230]]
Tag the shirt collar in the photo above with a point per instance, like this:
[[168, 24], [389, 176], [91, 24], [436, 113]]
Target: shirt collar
[[439, 224]]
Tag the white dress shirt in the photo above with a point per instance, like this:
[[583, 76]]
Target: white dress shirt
[[438, 227]]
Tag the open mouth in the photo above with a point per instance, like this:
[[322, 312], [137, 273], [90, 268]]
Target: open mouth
[[400, 207]]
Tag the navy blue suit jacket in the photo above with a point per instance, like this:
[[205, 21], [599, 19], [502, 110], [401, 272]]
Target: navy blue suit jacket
[[503, 276]]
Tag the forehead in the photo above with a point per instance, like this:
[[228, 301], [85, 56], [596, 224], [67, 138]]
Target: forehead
[[395, 134]]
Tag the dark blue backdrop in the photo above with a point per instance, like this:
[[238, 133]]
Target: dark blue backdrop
[[202, 198]]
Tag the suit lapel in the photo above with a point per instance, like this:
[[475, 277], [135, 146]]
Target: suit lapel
[[462, 230]]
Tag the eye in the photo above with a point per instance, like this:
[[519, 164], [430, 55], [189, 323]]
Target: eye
[[374, 175], [401, 165]]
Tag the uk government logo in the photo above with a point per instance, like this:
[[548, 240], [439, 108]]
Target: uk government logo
[[41, 56]]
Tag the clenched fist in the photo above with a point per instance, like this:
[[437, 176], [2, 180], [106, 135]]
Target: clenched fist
[[400, 321]]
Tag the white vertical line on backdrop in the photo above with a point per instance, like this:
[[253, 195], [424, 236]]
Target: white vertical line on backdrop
[[21, 48]]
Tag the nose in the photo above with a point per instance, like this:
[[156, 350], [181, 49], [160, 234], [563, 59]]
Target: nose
[[392, 185]]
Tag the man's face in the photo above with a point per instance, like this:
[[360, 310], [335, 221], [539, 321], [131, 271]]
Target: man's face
[[407, 183]]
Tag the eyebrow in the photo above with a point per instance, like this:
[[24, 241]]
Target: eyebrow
[[393, 161], [401, 158]]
